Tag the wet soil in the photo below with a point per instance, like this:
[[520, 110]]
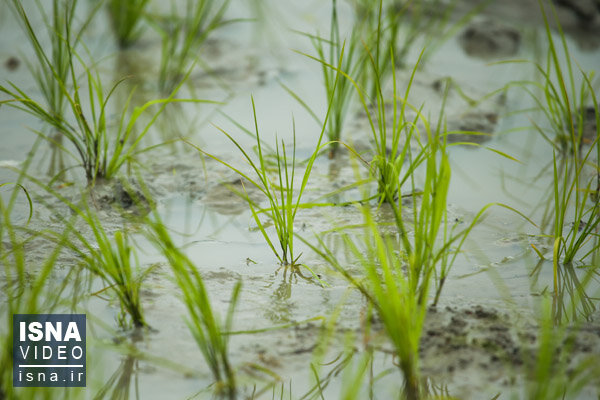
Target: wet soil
[[481, 338]]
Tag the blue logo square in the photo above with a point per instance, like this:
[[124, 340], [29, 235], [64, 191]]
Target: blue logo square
[[49, 350]]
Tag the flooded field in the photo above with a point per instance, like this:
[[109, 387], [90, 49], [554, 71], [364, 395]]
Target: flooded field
[[305, 200]]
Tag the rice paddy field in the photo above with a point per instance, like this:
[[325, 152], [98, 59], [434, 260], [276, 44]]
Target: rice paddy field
[[346, 199]]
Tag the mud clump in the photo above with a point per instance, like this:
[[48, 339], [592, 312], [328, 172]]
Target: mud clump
[[12, 63], [586, 11], [458, 340], [482, 313], [125, 196], [480, 124], [227, 197], [477, 343], [487, 38]]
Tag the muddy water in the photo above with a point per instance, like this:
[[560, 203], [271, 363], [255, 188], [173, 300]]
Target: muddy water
[[474, 342]]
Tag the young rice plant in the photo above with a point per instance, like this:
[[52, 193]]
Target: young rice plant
[[205, 326], [329, 52], [125, 17], [282, 193]]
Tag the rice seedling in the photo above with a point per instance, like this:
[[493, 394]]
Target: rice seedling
[[435, 22], [353, 377], [345, 55], [574, 199], [574, 195], [101, 151], [113, 259], [392, 291], [110, 256], [400, 268], [26, 287], [395, 25], [283, 197], [183, 36], [573, 209], [396, 286], [51, 68], [429, 221], [561, 101], [387, 163], [207, 329], [125, 17], [397, 273], [14, 275], [380, 29]]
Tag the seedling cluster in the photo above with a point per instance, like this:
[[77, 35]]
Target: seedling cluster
[[402, 263]]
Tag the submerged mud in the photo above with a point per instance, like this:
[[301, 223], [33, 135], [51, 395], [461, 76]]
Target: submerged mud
[[479, 340]]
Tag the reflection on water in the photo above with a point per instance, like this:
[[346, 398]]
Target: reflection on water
[[193, 220], [435, 390], [352, 374], [56, 168], [574, 298], [280, 308], [119, 385], [212, 223], [576, 290]]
